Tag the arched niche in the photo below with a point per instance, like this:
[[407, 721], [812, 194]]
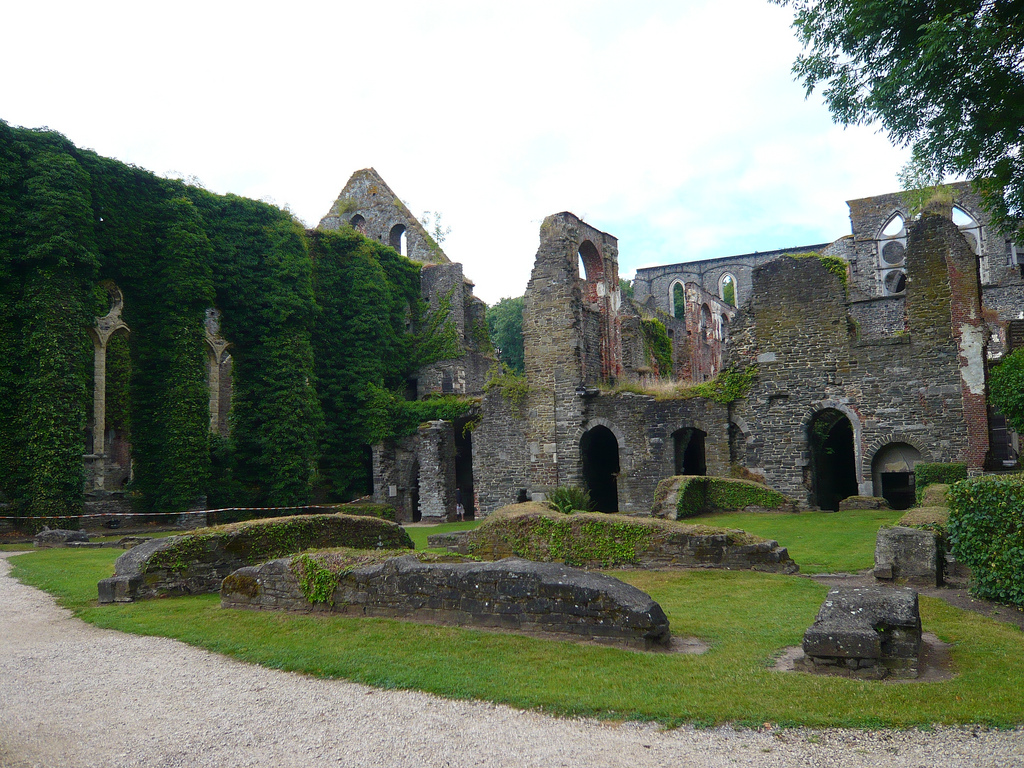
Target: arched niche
[[892, 474]]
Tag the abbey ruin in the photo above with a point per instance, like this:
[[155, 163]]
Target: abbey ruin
[[858, 373], [232, 352]]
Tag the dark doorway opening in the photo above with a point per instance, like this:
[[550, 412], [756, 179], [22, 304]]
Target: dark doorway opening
[[892, 473], [464, 466], [833, 460], [414, 492], [898, 489], [600, 453], [368, 469], [689, 452]]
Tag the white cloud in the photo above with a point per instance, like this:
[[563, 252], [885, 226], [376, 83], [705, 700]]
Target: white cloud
[[676, 126]]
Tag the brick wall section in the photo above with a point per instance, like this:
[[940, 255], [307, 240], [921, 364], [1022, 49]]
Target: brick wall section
[[906, 388], [437, 471], [511, 594], [879, 317], [644, 428]]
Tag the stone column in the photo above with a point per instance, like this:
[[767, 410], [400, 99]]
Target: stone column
[[437, 471]]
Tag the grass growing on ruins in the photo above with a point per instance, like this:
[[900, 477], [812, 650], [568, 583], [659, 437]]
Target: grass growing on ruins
[[746, 618], [419, 533], [819, 542]]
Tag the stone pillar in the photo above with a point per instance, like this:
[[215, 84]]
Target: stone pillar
[[436, 452], [99, 398]]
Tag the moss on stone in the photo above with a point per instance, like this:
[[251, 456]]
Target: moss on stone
[[595, 540]]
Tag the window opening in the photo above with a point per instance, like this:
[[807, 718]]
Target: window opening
[[689, 452], [678, 301]]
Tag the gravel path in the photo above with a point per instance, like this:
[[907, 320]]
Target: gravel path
[[72, 695]]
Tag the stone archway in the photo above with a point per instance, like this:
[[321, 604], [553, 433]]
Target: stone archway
[[599, 454]]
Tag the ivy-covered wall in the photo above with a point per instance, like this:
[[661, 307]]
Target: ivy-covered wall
[[305, 340]]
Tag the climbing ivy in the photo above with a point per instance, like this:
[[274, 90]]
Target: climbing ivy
[[658, 345], [324, 330], [70, 220], [372, 333], [729, 385]]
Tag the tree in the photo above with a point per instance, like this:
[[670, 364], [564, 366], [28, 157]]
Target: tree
[[945, 78], [1006, 389], [505, 324]]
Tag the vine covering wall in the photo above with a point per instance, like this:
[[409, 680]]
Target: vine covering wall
[[304, 373]]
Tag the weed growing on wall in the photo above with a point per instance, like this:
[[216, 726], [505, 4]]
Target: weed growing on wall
[[658, 345], [373, 331]]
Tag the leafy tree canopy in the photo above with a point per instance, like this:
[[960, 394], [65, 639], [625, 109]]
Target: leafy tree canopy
[[946, 79], [505, 324]]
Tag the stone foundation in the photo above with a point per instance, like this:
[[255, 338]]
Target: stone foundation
[[909, 556], [866, 632], [513, 594]]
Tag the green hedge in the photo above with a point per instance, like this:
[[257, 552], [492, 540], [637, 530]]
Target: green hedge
[[703, 495], [986, 532], [927, 473]]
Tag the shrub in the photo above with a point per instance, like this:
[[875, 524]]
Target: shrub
[[927, 473], [702, 495], [986, 532], [568, 499]]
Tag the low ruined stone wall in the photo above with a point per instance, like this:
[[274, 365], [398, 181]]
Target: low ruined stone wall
[[196, 563], [607, 541], [512, 594]]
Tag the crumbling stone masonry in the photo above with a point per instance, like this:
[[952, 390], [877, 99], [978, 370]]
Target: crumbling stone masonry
[[920, 390], [512, 594], [867, 632]]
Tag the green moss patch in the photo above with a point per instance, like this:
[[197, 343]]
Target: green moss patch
[[581, 539], [706, 495], [257, 541]]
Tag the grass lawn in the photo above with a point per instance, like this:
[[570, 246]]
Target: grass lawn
[[419, 533], [819, 542], [746, 618]]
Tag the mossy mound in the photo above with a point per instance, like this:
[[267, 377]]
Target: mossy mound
[[534, 532], [929, 518], [686, 496], [255, 541]]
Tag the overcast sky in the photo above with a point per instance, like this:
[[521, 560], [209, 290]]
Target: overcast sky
[[675, 126]]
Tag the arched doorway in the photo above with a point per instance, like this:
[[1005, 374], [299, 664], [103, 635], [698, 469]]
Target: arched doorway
[[833, 460], [599, 451], [892, 474], [689, 452]]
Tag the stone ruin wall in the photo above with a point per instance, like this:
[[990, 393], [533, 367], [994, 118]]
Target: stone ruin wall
[[368, 204], [907, 387], [563, 342]]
